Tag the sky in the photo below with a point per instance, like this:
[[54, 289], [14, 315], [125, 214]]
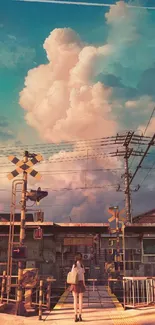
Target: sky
[[76, 73]]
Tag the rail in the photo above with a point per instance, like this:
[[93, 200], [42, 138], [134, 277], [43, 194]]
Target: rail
[[40, 297], [132, 292], [138, 292]]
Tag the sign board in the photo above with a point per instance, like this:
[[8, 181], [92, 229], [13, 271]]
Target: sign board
[[19, 252], [87, 241]]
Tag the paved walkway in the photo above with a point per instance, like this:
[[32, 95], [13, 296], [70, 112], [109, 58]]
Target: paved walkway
[[100, 307]]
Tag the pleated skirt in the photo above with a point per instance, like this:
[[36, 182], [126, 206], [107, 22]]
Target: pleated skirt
[[78, 288]]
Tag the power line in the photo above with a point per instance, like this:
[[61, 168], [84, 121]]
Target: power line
[[148, 123], [128, 178], [85, 157], [83, 142], [64, 143], [149, 171], [151, 143], [75, 171], [109, 142], [82, 188]]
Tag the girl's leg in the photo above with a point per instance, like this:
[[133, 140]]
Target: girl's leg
[[80, 303], [75, 302]]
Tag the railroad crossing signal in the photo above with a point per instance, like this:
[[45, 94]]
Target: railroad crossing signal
[[121, 218], [36, 196], [25, 167], [111, 219], [113, 212]]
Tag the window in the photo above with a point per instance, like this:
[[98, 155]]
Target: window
[[149, 246]]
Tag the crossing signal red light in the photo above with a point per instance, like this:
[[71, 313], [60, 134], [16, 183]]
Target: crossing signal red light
[[38, 233], [19, 252]]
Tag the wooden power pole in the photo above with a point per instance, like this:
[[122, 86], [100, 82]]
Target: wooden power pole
[[128, 142]]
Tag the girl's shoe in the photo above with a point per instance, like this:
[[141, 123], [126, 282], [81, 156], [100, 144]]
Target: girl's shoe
[[80, 318], [76, 318]]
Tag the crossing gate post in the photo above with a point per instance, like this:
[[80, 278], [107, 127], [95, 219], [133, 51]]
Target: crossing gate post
[[23, 166], [3, 285], [19, 306], [40, 299], [48, 296]]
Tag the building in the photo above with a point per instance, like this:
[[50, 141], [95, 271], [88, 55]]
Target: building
[[54, 254]]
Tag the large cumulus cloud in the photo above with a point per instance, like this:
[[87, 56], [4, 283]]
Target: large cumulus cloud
[[66, 99], [60, 99]]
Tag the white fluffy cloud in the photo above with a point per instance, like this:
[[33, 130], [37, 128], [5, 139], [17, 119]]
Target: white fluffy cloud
[[62, 102], [60, 98]]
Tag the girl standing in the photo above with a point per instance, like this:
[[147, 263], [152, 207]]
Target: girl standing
[[79, 288]]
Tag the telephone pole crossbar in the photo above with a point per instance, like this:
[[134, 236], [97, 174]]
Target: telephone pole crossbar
[[151, 143]]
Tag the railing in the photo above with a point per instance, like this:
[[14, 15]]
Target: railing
[[132, 292], [39, 298], [138, 292]]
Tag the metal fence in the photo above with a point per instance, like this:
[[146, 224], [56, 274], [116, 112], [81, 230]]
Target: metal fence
[[138, 292], [42, 297]]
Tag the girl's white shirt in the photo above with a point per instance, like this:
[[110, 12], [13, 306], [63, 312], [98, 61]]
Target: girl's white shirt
[[80, 271]]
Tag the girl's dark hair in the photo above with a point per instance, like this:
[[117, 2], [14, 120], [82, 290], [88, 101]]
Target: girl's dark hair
[[78, 257]]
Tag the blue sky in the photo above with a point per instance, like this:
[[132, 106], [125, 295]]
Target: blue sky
[[25, 26], [22, 34], [116, 69]]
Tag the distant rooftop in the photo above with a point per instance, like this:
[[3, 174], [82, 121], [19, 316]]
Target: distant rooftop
[[147, 217]]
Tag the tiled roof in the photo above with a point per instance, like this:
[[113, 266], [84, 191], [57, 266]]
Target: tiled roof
[[147, 217]]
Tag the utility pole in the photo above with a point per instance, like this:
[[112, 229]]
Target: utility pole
[[19, 305], [131, 139], [127, 184], [117, 240], [128, 152]]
